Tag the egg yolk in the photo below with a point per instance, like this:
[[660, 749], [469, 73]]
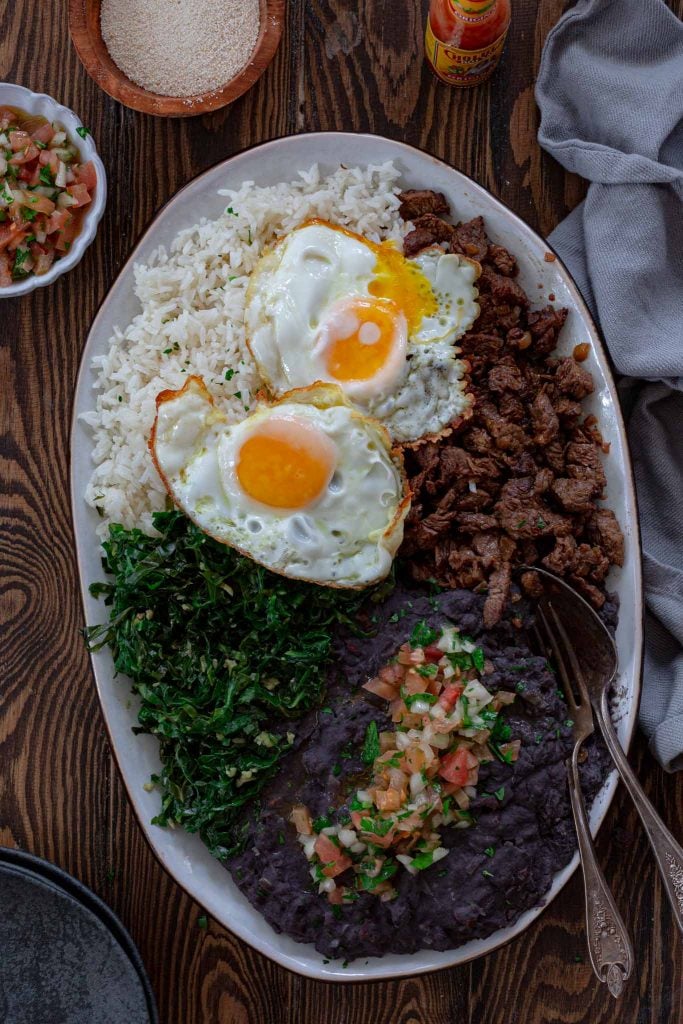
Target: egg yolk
[[397, 279], [364, 335], [286, 464]]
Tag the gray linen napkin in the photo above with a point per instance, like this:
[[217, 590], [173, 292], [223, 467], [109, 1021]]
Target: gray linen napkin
[[610, 91]]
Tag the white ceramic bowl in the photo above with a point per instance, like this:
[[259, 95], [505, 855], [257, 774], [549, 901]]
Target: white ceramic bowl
[[38, 103], [184, 856]]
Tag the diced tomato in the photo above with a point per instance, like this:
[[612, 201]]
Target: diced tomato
[[25, 156], [336, 897], [40, 204], [30, 173], [67, 235], [333, 860], [433, 653], [42, 260], [8, 233], [5, 274], [414, 682], [57, 221], [19, 140], [414, 759], [449, 695], [455, 767], [387, 800], [43, 134], [48, 158], [80, 194], [86, 175]]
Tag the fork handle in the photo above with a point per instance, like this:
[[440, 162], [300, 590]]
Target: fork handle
[[609, 945], [668, 853]]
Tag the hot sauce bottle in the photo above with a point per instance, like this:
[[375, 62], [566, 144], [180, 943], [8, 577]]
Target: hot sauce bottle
[[465, 38]]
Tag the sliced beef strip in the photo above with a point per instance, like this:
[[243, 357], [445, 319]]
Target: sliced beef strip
[[591, 563], [430, 226], [503, 261], [498, 594], [507, 436], [594, 595], [544, 419], [573, 495], [431, 530], [417, 240], [561, 558], [505, 375], [568, 411], [545, 325], [554, 456], [573, 379], [522, 514], [417, 201], [503, 289], [583, 463], [470, 239], [474, 522], [604, 530]]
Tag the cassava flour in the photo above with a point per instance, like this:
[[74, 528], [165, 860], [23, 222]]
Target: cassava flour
[[180, 47]]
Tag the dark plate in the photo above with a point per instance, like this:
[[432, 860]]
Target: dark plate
[[65, 957]]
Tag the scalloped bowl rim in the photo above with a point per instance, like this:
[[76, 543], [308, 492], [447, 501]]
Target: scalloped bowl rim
[[40, 103], [184, 856]]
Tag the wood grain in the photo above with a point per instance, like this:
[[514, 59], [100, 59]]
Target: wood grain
[[341, 65]]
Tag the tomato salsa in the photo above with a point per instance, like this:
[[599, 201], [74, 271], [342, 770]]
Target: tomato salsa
[[44, 190]]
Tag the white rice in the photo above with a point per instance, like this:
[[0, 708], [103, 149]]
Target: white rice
[[192, 321]]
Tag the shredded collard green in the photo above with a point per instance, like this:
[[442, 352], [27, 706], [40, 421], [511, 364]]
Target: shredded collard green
[[222, 653]]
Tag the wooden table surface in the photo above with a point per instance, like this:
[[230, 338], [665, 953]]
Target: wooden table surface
[[342, 65]]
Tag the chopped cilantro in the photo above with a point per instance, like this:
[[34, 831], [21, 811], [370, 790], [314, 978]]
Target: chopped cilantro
[[203, 922], [422, 635], [83, 131], [487, 874], [427, 670], [490, 851], [423, 860], [413, 698], [229, 374], [320, 823], [500, 793], [46, 176], [371, 747]]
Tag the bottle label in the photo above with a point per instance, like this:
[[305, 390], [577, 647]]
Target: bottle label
[[462, 67]]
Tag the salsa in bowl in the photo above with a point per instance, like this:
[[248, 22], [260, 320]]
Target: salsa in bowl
[[52, 190]]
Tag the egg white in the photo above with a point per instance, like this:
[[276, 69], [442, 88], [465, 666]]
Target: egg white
[[296, 285], [347, 537]]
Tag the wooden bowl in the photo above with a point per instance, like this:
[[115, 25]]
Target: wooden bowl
[[86, 33]]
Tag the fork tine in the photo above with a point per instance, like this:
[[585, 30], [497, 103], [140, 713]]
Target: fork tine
[[571, 654], [560, 663]]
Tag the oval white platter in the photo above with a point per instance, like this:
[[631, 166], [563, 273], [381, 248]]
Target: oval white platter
[[184, 856]]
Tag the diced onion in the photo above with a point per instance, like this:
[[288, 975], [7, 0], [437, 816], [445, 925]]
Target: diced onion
[[417, 784], [347, 837]]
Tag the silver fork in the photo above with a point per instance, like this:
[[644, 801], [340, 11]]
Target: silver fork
[[609, 944]]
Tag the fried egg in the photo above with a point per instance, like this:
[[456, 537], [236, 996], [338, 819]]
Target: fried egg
[[307, 486], [325, 304]]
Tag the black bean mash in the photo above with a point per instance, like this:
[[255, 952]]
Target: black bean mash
[[502, 865]]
